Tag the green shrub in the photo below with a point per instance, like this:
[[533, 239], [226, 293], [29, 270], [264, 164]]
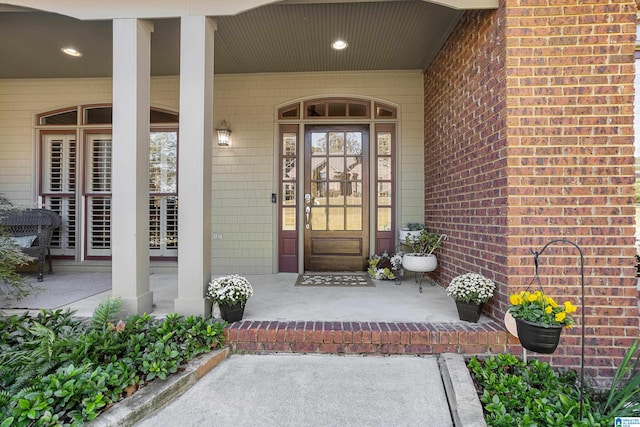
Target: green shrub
[[526, 394], [57, 370], [623, 397], [534, 394]]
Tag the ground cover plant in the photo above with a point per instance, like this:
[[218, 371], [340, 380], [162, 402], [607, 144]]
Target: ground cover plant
[[532, 393], [58, 370]]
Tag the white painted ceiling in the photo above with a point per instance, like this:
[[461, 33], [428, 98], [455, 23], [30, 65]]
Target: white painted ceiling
[[285, 37]]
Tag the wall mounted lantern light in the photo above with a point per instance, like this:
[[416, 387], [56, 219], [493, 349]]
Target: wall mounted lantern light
[[224, 134]]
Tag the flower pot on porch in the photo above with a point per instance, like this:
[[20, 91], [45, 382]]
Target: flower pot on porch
[[232, 313], [469, 311], [538, 338], [419, 263], [403, 233]]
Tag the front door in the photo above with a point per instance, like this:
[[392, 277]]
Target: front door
[[336, 198]]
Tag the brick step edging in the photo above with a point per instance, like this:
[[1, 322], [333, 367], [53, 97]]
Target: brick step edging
[[366, 337]]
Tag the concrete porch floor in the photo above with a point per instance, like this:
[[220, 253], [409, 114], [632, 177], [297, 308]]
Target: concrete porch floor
[[280, 317], [276, 298]]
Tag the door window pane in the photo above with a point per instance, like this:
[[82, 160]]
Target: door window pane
[[319, 193], [319, 168], [354, 168], [315, 110], [384, 219], [289, 193], [354, 193], [384, 193], [336, 143], [289, 219], [289, 144], [288, 168], [336, 219], [318, 143], [354, 218], [336, 168], [384, 111], [337, 109], [357, 110], [354, 143], [336, 195], [318, 218], [384, 168], [384, 144]]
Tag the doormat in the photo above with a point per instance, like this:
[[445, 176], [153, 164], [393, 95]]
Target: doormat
[[333, 279]]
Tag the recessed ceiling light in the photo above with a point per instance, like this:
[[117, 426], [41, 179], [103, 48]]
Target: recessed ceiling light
[[339, 45], [71, 51]]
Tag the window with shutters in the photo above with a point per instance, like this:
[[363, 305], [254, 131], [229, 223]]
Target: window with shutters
[[59, 187], [88, 196]]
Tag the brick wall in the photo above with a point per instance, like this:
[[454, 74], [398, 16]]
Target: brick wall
[[465, 149], [529, 132]]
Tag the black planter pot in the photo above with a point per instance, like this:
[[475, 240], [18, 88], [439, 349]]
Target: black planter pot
[[469, 311], [536, 337], [232, 313]]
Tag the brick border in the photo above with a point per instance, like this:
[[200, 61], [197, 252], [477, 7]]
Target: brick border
[[367, 337]]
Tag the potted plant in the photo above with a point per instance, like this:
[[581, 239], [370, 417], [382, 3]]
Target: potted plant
[[470, 291], [411, 230], [420, 258], [540, 319], [385, 266], [231, 294]]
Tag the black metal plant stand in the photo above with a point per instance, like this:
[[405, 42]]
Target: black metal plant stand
[[582, 318]]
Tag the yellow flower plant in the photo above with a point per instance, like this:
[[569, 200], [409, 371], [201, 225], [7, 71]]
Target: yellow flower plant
[[539, 308]]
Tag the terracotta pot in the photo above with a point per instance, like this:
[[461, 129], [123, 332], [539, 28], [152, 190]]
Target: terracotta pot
[[538, 338], [469, 311]]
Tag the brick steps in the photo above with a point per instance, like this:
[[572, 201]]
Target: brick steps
[[366, 337]]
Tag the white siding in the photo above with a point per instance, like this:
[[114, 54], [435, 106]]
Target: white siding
[[243, 175]]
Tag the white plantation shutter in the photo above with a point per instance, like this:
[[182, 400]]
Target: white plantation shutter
[[59, 188], [85, 208], [98, 193], [99, 164]]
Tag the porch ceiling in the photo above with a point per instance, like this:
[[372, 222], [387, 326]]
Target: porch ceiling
[[285, 37]]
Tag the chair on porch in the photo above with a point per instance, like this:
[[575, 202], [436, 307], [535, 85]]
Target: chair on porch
[[32, 229]]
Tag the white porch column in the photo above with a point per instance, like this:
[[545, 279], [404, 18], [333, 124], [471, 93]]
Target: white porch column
[[130, 164], [194, 164]]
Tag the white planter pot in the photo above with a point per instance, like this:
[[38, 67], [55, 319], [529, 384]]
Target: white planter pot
[[404, 232], [419, 263]]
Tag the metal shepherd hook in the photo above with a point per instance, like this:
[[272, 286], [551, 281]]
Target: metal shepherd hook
[[582, 325]]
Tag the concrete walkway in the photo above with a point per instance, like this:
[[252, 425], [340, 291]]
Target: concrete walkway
[[312, 390], [307, 390]]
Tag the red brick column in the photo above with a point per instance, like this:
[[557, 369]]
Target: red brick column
[[569, 73], [529, 138]]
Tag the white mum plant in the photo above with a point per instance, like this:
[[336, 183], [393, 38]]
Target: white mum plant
[[229, 290], [471, 287]]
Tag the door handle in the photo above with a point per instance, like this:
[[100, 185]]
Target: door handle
[[307, 212]]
